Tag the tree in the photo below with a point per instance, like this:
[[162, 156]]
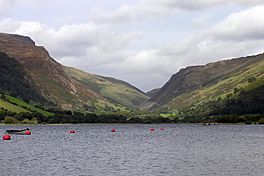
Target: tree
[[236, 90], [3, 97]]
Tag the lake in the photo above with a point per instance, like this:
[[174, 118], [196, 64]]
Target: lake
[[180, 150]]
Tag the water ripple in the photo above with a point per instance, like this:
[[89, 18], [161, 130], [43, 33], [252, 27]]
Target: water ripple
[[134, 150]]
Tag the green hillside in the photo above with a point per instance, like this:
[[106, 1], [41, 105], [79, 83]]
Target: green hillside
[[27, 106], [116, 91], [17, 105], [11, 107], [236, 80]]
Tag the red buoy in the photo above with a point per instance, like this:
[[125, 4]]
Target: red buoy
[[161, 129], [152, 129], [113, 130], [27, 132], [72, 131], [6, 137]]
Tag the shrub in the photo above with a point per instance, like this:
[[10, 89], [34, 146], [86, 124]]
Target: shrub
[[236, 90], [261, 121], [251, 79], [10, 120], [3, 97], [27, 121]]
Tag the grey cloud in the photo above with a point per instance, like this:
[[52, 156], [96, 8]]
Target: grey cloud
[[7, 4], [154, 8], [202, 4], [201, 21]]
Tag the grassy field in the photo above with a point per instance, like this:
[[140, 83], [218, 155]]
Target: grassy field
[[10, 107], [27, 106], [17, 105]]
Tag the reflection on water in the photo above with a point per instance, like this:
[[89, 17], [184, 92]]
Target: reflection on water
[[135, 150]]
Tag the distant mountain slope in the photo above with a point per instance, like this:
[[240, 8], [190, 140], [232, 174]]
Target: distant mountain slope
[[153, 92], [194, 86], [116, 91], [58, 85]]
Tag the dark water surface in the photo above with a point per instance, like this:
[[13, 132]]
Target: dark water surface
[[134, 150]]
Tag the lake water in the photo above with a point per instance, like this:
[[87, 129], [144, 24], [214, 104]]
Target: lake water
[[134, 150]]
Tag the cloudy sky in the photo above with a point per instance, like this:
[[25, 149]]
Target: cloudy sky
[[143, 42]]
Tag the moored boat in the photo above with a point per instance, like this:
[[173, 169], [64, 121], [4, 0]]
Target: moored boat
[[19, 132]]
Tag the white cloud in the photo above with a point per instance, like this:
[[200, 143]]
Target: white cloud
[[72, 40], [244, 25]]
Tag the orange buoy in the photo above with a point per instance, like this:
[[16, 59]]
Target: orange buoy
[[6, 137], [27, 132], [72, 131], [152, 129], [113, 130]]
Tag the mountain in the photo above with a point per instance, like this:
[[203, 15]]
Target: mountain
[[52, 82], [114, 90], [153, 92], [194, 87], [15, 79]]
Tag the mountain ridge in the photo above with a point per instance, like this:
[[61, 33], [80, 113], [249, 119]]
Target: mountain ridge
[[202, 78], [49, 76], [194, 87]]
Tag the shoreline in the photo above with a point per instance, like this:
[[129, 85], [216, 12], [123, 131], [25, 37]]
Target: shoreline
[[65, 124]]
